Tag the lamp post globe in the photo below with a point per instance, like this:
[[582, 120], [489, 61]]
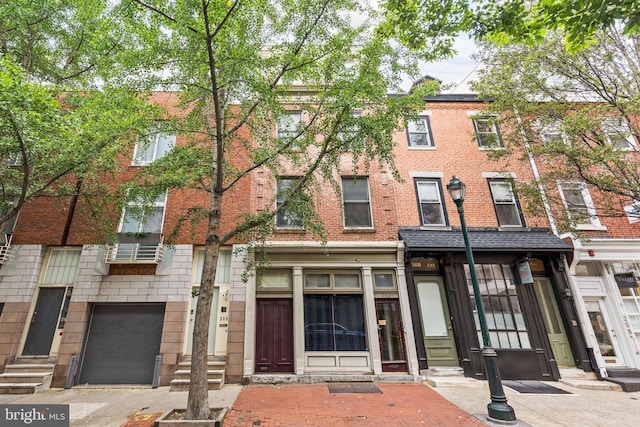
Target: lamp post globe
[[498, 409]]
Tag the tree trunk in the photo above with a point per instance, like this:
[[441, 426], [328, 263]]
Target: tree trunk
[[198, 400]]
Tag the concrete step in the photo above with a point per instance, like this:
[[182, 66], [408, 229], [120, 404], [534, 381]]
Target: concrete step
[[628, 385], [21, 388], [183, 385], [623, 372], [454, 381], [445, 371], [28, 368], [577, 374], [23, 377], [215, 364], [212, 374], [591, 384]]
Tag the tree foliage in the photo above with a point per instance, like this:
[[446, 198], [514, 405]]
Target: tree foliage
[[59, 124], [576, 113], [240, 67], [431, 25]]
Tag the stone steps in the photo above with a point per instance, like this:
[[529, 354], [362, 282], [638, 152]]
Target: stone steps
[[27, 375], [215, 376]]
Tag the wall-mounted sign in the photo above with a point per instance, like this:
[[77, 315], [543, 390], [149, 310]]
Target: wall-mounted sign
[[425, 264], [536, 265], [626, 280], [524, 270]]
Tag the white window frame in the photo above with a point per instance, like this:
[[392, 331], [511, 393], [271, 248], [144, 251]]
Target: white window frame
[[495, 130], [152, 146], [295, 223], [159, 202], [346, 181], [592, 217], [287, 128], [617, 132], [513, 201], [550, 130], [412, 130], [439, 202]]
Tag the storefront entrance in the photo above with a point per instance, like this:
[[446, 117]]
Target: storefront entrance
[[274, 335], [390, 334]]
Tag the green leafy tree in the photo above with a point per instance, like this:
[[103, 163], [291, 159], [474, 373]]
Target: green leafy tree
[[431, 25], [575, 113], [60, 126], [238, 66]]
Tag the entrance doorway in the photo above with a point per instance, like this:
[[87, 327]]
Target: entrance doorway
[[439, 341], [390, 334], [605, 335], [47, 321], [553, 322], [274, 335]]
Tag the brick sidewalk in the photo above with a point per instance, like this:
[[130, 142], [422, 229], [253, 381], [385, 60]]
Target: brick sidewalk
[[313, 405]]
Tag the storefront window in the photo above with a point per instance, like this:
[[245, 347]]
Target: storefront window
[[626, 276], [334, 321], [505, 321]]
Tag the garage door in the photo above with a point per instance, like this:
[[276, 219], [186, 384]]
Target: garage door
[[122, 343]]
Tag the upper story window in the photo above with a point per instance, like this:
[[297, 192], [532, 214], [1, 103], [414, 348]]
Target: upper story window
[[577, 200], [505, 203], [356, 203], [552, 132], [618, 134], [487, 132], [430, 202], [288, 124], [286, 218], [137, 219], [350, 129], [155, 146], [419, 132]]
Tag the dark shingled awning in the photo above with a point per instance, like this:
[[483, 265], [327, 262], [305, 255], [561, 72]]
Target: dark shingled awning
[[483, 240]]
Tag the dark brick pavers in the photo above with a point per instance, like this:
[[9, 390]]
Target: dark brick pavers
[[294, 405]]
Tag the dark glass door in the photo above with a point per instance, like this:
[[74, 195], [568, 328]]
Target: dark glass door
[[390, 334]]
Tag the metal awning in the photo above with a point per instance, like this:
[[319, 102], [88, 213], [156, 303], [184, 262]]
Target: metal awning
[[483, 240]]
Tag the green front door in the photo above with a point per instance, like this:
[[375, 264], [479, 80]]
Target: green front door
[[438, 336], [553, 322]]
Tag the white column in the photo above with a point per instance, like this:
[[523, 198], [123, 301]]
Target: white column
[[298, 322], [371, 320]]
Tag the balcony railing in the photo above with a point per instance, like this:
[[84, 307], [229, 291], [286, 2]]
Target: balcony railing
[[5, 247], [135, 249]]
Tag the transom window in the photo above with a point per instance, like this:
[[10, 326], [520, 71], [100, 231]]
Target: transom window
[[578, 203], [155, 146], [338, 280], [487, 132], [384, 280], [356, 203], [430, 202], [420, 132], [285, 218], [505, 203], [505, 321], [272, 279]]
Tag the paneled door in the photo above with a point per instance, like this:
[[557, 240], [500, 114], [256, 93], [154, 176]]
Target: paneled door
[[274, 335], [438, 337], [553, 322]]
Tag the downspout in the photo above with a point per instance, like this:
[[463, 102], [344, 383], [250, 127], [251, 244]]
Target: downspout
[[72, 209], [536, 173]]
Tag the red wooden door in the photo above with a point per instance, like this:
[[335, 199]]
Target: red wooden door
[[274, 335]]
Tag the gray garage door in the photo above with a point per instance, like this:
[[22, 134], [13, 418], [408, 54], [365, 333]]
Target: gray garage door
[[122, 343]]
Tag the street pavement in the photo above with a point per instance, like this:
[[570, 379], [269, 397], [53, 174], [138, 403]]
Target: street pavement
[[295, 405]]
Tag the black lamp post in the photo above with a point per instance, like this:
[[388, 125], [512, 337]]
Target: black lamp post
[[498, 409]]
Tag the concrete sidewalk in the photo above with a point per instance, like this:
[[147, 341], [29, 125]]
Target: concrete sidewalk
[[581, 408], [313, 405]]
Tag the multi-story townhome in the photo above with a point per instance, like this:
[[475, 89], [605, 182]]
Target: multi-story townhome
[[532, 321], [110, 312]]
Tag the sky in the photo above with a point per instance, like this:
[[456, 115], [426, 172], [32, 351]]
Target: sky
[[456, 69]]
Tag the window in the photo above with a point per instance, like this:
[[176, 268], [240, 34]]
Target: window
[[487, 132], [286, 218], [578, 204], [350, 130], [552, 132], [420, 132], [384, 280], [430, 202], [274, 279], [618, 134], [505, 321], [505, 203], [357, 209], [288, 124], [333, 312], [137, 219], [156, 146]]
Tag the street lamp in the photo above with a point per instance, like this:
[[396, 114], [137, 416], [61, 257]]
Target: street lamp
[[498, 409]]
